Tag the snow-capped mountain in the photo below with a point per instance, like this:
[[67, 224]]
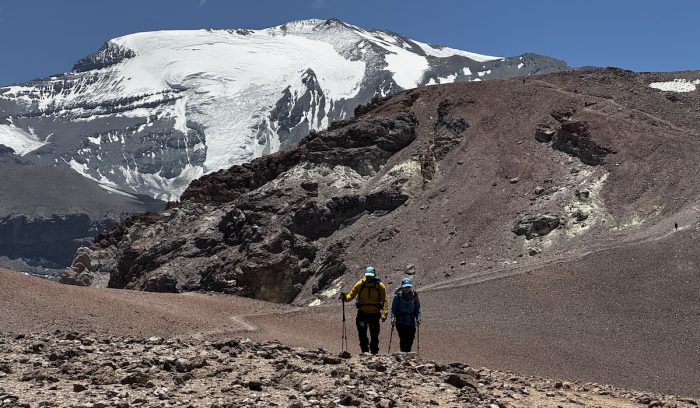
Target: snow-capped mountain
[[150, 112]]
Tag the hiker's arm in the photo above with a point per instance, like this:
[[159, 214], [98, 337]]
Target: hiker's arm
[[394, 307], [416, 309], [355, 289]]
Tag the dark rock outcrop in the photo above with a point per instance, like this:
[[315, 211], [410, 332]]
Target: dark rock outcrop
[[263, 218], [572, 137], [448, 129], [537, 225], [108, 54], [575, 139]]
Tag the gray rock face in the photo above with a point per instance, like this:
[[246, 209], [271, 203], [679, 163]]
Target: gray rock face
[[47, 214], [48, 241]]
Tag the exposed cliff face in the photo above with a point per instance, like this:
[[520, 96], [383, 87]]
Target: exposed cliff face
[[48, 241], [262, 231], [444, 182]]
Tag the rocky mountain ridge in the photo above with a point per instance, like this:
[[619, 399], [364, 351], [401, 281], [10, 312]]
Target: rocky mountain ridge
[[444, 182], [149, 112]]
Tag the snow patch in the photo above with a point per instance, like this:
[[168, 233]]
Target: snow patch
[[18, 139], [448, 79], [443, 52], [97, 140], [180, 116], [677, 85], [407, 67], [112, 190]]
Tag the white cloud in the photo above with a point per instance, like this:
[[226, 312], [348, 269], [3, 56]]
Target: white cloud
[[317, 4]]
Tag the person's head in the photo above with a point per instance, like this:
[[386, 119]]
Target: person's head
[[370, 273], [406, 284]]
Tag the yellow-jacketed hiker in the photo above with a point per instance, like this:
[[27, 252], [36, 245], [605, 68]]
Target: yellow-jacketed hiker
[[372, 305]]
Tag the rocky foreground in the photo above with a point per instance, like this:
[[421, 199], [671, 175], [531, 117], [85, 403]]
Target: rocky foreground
[[70, 369]]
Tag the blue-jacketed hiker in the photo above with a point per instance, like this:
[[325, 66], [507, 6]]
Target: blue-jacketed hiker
[[372, 306], [405, 313]]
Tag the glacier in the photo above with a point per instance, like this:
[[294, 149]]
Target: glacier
[[150, 112]]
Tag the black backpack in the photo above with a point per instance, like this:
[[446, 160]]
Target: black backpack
[[414, 298]]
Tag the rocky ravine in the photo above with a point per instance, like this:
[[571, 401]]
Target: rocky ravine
[[443, 182], [66, 369]]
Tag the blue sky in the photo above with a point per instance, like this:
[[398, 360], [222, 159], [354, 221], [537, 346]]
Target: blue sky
[[43, 37]]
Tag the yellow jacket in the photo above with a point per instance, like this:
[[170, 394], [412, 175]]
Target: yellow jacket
[[372, 297]]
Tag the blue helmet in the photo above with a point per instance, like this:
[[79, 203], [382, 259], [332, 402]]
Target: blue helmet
[[406, 283], [370, 272]]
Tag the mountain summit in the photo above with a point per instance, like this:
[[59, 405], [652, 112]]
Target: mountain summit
[[150, 112]]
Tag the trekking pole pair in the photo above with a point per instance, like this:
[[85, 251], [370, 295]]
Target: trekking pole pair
[[344, 336]]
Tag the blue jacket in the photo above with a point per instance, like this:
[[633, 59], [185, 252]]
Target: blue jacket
[[405, 307]]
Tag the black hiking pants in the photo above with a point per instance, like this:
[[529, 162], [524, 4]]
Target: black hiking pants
[[407, 332], [363, 322]]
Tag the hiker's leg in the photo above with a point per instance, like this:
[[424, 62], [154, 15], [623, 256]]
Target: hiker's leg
[[410, 335], [361, 323], [405, 336], [401, 331], [374, 333]]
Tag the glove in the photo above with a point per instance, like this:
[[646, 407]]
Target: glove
[[418, 322], [342, 296], [393, 322]]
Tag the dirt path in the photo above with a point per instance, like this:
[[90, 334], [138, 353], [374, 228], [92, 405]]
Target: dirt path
[[589, 318]]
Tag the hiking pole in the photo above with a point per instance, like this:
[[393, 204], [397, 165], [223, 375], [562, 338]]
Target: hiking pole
[[391, 334], [419, 338], [344, 337]]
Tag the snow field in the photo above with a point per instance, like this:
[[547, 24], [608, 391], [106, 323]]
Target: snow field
[[19, 140], [677, 85]]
